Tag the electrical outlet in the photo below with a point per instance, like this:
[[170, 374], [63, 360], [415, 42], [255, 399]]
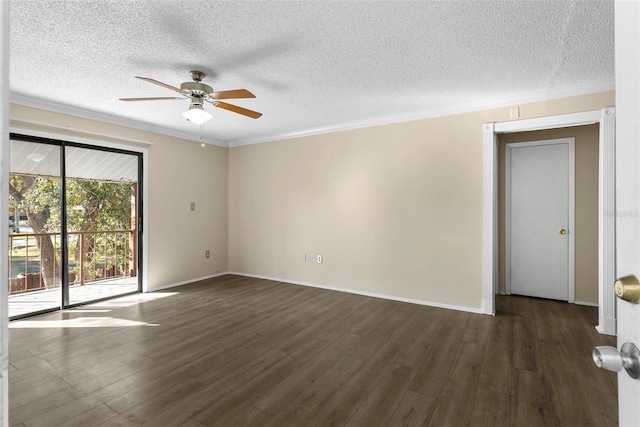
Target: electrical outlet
[[319, 259], [207, 254], [304, 257]]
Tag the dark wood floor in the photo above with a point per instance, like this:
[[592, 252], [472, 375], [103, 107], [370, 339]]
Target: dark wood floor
[[236, 351]]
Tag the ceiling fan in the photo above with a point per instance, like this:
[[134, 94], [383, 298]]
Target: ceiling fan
[[198, 93]]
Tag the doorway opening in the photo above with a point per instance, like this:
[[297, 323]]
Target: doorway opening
[[74, 234], [605, 118]]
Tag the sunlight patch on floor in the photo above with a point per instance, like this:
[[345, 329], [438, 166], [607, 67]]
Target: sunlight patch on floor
[[134, 299], [74, 310], [77, 322]]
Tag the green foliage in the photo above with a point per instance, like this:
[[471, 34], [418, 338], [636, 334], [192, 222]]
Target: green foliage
[[93, 209], [43, 194], [93, 205]]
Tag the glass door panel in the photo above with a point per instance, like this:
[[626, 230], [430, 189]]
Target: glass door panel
[[35, 273], [101, 217]]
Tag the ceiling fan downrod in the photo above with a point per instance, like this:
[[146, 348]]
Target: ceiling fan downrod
[[196, 75]]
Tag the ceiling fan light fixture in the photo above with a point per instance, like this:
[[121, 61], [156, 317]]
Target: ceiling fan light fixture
[[197, 114]]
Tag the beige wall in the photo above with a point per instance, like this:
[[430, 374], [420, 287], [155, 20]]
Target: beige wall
[[179, 172], [394, 209], [586, 204]]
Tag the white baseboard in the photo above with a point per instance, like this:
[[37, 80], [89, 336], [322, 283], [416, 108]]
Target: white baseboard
[[489, 303], [364, 293], [590, 304], [608, 327], [186, 282]]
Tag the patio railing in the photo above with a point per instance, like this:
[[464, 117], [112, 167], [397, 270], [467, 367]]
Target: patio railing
[[93, 256]]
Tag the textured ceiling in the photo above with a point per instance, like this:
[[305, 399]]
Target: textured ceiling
[[311, 64]]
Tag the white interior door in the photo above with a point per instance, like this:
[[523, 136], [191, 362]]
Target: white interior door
[[539, 218], [627, 22]]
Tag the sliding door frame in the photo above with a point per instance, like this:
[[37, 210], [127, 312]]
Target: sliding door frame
[[141, 258]]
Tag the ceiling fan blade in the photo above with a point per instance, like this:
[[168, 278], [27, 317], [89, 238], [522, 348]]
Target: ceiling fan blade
[[231, 94], [155, 82], [239, 110], [160, 98]]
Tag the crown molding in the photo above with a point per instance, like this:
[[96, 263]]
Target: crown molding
[[55, 107], [525, 98], [34, 126]]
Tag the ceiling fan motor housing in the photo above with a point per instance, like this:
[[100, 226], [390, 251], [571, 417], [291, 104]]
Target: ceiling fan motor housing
[[196, 88]]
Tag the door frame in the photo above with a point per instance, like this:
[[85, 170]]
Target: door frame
[[121, 144], [606, 204], [571, 209], [63, 144]]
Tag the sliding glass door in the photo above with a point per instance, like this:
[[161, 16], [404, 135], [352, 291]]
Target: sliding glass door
[[35, 272], [73, 224], [101, 223]]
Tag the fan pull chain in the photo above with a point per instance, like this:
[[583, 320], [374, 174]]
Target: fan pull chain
[[202, 144]]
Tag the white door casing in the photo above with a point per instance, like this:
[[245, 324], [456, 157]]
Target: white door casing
[[606, 204], [540, 187], [627, 22], [4, 207]]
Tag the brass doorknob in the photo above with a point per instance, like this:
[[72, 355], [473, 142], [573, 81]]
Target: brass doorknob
[[562, 231], [628, 288]]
